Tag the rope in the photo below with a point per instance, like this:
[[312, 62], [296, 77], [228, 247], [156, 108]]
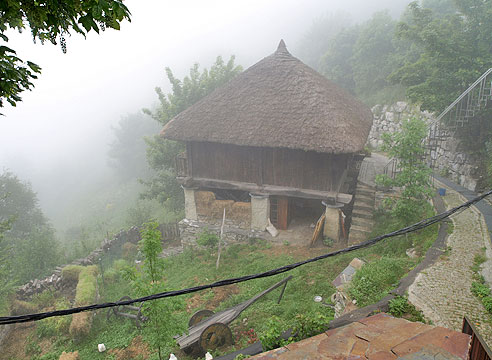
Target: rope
[[412, 228]]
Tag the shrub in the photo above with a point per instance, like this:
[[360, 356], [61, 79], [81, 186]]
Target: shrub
[[373, 281], [207, 239], [272, 337], [487, 303], [310, 325], [480, 290], [398, 306], [57, 325]]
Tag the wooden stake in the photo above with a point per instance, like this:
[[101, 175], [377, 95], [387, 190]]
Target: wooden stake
[[220, 240]]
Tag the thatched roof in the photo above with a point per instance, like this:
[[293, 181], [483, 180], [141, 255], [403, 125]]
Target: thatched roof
[[278, 102]]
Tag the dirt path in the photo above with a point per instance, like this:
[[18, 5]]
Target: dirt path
[[442, 291]]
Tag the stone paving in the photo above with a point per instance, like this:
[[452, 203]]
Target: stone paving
[[442, 291]]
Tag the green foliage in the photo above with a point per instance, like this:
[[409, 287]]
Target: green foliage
[[480, 290], [15, 74], [413, 176], [318, 39], [309, 325], [453, 50], [29, 242], [242, 357], [86, 290], [359, 58], [57, 325], [400, 307], [163, 322], [479, 287], [207, 239], [161, 153], [32, 347], [374, 280], [48, 21], [272, 337]]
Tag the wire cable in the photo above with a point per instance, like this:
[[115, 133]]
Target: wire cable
[[412, 228]]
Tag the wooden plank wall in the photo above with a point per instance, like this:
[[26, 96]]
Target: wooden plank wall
[[269, 166]]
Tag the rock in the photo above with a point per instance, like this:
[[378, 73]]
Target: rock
[[411, 253]]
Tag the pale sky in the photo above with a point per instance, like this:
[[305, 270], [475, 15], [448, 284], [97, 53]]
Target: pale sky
[[66, 118]]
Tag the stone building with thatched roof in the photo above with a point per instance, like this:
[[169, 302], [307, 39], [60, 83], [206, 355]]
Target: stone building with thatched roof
[[278, 142]]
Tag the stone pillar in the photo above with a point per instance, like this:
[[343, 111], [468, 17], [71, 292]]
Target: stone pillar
[[332, 221], [260, 211], [190, 204]]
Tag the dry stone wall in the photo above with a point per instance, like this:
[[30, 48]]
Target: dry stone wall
[[451, 160], [190, 230], [54, 281]]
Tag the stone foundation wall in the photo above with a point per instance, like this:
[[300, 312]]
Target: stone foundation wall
[[451, 160], [211, 210], [190, 230]]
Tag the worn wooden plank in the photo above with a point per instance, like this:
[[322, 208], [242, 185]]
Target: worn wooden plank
[[272, 166], [282, 212], [265, 189]]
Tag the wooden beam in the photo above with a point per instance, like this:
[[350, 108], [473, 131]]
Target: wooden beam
[[265, 189]]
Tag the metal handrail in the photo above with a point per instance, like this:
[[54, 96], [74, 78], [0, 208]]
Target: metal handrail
[[472, 86]]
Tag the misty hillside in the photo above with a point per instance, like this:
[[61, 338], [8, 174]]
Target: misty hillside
[[147, 149]]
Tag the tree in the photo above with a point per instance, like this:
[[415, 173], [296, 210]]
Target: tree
[[162, 153], [27, 234], [50, 21], [6, 275], [335, 63], [318, 39], [360, 58], [413, 176], [454, 51], [163, 322], [372, 55], [127, 150]]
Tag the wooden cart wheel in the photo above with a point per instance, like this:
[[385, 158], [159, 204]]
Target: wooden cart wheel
[[199, 316], [215, 336], [140, 318], [121, 307]]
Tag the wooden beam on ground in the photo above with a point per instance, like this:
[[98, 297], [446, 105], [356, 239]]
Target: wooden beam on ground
[[265, 189]]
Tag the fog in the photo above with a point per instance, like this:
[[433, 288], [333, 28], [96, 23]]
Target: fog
[[57, 137]]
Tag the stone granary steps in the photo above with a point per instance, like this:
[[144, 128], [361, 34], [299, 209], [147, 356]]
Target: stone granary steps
[[362, 213]]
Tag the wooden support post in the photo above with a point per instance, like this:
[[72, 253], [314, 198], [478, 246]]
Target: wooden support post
[[282, 293], [220, 240]]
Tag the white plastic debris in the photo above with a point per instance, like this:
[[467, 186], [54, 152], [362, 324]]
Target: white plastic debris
[[208, 356], [271, 229], [101, 347], [173, 357]]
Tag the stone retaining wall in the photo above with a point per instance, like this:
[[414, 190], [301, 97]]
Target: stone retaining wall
[[191, 229], [451, 160], [53, 281]]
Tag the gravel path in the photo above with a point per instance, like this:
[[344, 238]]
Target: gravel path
[[442, 291]]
